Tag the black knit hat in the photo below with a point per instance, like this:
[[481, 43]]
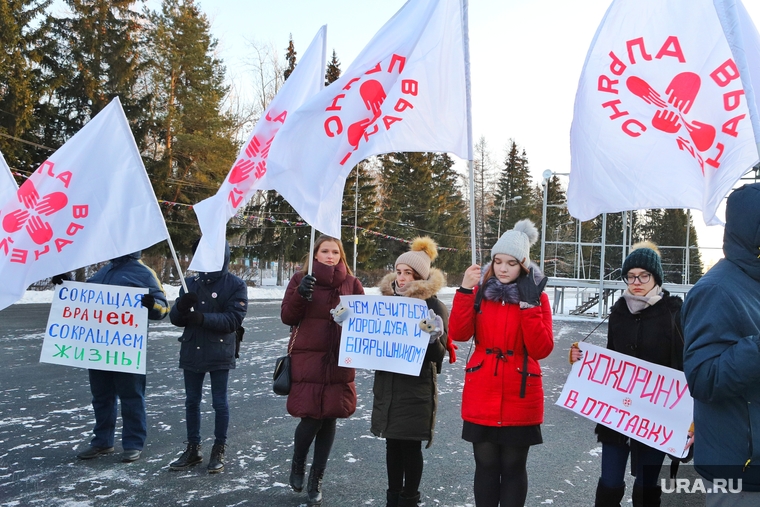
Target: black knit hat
[[644, 255]]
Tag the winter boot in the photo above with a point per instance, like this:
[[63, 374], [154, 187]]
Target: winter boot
[[216, 461], [297, 472], [408, 501], [191, 456], [646, 496], [608, 497], [315, 486], [391, 498]]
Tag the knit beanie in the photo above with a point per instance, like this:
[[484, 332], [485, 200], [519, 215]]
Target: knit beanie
[[423, 251], [644, 255], [517, 242]]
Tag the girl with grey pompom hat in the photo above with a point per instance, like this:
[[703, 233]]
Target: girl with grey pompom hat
[[504, 308]]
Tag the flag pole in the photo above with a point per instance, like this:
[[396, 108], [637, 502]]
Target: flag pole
[[468, 94], [311, 250], [176, 260]]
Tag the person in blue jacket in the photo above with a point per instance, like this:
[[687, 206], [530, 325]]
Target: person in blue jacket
[[721, 323], [129, 388], [210, 312]]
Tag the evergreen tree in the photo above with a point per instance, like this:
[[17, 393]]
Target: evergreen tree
[[332, 73], [557, 258], [420, 197], [290, 57], [191, 143], [24, 33], [363, 213]]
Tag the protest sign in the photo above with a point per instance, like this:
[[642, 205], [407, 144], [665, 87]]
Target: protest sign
[[642, 400], [383, 333], [100, 327]]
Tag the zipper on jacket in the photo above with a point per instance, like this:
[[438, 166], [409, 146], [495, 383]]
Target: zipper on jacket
[[749, 439]]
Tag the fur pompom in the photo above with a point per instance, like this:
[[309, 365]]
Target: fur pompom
[[526, 227], [646, 244], [427, 245]]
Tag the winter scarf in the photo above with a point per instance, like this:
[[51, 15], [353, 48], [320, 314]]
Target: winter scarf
[[638, 303], [494, 290]]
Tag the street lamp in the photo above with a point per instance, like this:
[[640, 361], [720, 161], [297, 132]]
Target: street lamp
[[503, 200]]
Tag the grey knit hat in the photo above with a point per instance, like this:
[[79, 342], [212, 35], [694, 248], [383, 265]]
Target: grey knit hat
[[517, 242], [644, 255], [423, 252]]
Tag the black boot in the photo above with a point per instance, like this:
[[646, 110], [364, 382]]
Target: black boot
[[216, 461], [391, 498], [608, 497], [408, 501], [191, 456], [297, 472], [315, 485], [646, 496]]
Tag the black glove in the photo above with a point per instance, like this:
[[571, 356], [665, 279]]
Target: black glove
[[58, 279], [186, 302], [148, 301], [530, 291], [194, 319], [306, 288]]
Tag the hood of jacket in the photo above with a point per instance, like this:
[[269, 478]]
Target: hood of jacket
[[208, 277], [418, 289], [134, 256], [741, 238]]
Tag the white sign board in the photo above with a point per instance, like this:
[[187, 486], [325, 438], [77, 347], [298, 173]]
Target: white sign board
[[99, 327], [642, 400], [383, 333]]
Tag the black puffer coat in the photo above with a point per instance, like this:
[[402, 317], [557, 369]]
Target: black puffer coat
[[211, 346], [405, 406], [655, 335]]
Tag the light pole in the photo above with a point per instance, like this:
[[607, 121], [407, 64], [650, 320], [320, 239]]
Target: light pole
[[501, 208]]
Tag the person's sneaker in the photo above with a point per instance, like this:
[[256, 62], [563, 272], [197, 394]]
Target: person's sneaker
[[130, 455], [94, 452]]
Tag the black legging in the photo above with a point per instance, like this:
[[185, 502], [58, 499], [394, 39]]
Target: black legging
[[500, 475], [306, 431], [403, 458]]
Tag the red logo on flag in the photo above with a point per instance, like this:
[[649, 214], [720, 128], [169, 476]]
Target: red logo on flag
[[671, 109]]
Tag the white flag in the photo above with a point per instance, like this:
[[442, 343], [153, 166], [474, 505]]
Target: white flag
[[249, 173], [406, 91], [91, 201], [665, 108], [8, 186]]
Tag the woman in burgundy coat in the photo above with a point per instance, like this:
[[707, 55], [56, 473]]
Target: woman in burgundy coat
[[507, 312], [321, 390]]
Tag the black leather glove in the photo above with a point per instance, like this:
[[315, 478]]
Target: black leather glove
[[194, 319], [306, 287], [186, 302], [59, 279], [530, 291], [148, 301]]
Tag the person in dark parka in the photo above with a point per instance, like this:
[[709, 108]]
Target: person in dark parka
[[129, 388], [721, 322], [645, 323], [321, 391], [210, 313], [404, 406]]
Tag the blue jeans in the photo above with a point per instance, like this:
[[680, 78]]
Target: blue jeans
[[194, 393], [615, 459], [106, 387]]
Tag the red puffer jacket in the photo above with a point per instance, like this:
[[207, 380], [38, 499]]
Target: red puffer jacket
[[320, 388], [494, 374]]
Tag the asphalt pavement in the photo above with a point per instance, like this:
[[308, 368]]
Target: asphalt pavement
[[46, 419]]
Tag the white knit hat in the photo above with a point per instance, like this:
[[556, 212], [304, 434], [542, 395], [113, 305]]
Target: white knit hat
[[517, 242]]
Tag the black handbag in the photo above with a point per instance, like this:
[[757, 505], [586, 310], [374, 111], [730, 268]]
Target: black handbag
[[281, 376]]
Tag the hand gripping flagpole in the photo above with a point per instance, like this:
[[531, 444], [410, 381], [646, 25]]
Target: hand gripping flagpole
[[466, 44]]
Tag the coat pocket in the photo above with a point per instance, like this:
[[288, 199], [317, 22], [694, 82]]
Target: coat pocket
[[474, 368]]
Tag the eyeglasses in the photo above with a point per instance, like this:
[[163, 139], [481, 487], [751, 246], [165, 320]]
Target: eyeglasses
[[643, 278]]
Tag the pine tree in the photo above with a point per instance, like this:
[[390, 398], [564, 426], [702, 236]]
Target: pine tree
[[24, 33], [364, 214], [420, 197], [332, 73], [191, 143], [290, 57]]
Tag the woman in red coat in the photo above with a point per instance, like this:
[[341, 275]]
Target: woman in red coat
[[321, 391], [505, 309]]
